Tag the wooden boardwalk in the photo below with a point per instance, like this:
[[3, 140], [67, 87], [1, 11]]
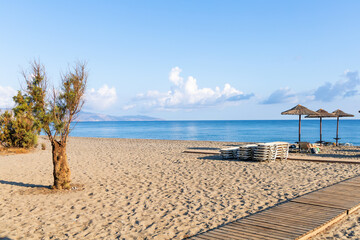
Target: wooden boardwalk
[[300, 218]]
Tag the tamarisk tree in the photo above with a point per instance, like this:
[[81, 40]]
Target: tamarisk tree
[[55, 113]]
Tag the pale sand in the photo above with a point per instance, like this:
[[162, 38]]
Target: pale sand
[[146, 189]]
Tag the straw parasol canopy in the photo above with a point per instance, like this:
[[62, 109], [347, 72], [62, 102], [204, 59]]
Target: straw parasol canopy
[[299, 110], [338, 113], [321, 114]]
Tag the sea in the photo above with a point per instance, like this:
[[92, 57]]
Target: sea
[[228, 131]]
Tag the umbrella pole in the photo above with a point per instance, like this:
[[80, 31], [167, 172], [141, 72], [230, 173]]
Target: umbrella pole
[[299, 128], [337, 131], [320, 130]]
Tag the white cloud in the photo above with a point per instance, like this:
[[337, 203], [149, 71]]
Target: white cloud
[[130, 106], [6, 95], [174, 76], [282, 95], [188, 95], [327, 92], [342, 88], [102, 98]]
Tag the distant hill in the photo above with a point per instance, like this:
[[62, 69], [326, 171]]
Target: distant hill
[[96, 117]]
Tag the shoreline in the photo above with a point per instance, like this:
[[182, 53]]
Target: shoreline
[[146, 189], [187, 140]]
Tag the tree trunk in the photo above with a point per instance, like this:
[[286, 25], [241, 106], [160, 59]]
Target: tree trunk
[[61, 166]]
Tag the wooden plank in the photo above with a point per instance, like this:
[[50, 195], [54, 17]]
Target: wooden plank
[[304, 207], [273, 226], [319, 203], [198, 238], [322, 227], [309, 220], [232, 234], [344, 193], [337, 199], [305, 216], [329, 201], [338, 194], [304, 211], [353, 209], [352, 180], [294, 228], [334, 200], [266, 232], [250, 232], [314, 213], [335, 192], [206, 236], [288, 222], [345, 202], [218, 233], [298, 219], [342, 187], [243, 232], [351, 184]]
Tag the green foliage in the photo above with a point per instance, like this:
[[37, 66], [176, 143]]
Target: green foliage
[[34, 111], [6, 129], [55, 114], [17, 131]]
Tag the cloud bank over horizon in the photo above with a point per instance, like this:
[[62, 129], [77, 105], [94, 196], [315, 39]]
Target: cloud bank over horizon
[[186, 94], [343, 88], [100, 99], [327, 92]]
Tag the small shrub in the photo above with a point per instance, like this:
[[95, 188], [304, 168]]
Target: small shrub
[[17, 131], [43, 146]]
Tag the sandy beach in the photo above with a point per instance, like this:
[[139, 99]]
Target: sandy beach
[[148, 189]]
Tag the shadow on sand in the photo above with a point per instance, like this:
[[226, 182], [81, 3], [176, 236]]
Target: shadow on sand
[[21, 184], [203, 148], [219, 158]]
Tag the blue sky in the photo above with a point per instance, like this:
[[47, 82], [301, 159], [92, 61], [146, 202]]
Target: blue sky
[[181, 60]]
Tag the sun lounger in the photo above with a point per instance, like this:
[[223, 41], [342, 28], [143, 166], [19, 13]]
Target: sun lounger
[[246, 151], [282, 150], [265, 152], [229, 153], [257, 152]]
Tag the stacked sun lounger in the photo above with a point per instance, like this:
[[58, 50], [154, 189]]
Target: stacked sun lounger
[[229, 153], [257, 152], [265, 152], [246, 151], [282, 150]]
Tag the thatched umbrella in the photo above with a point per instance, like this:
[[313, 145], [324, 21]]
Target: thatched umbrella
[[338, 113], [299, 110], [321, 114]]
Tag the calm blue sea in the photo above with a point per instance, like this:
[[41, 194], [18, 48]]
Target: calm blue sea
[[237, 131]]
